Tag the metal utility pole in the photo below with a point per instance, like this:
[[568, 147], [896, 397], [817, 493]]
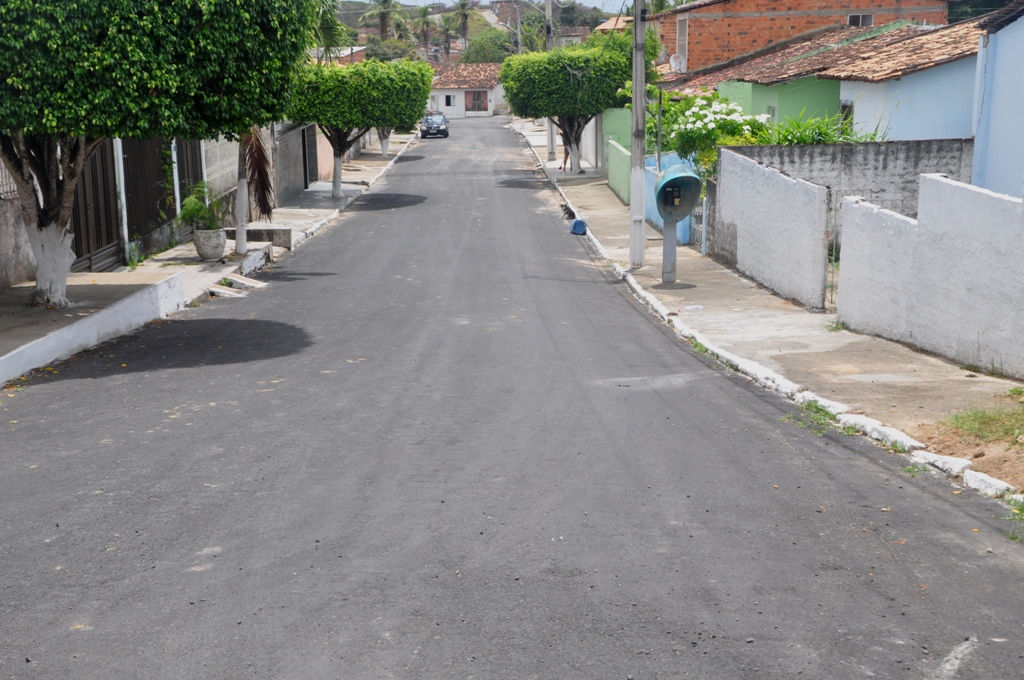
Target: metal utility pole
[[638, 149]]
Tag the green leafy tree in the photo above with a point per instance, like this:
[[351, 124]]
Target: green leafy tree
[[388, 50], [347, 101], [491, 46], [76, 73], [570, 86], [622, 42]]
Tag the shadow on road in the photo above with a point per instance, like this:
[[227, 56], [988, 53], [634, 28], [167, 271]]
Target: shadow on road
[[282, 276], [182, 343], [372, 202], [409, 158]]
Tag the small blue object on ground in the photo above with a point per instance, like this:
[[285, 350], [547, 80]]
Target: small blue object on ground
[[578, 227]]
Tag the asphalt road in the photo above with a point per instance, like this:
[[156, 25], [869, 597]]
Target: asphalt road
[[445, 443]]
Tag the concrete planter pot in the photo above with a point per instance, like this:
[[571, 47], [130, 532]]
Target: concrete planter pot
[[209, 243]]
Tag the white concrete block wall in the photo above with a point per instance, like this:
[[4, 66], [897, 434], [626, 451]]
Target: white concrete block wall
[[222, 165], [950, 282], [780, 225]]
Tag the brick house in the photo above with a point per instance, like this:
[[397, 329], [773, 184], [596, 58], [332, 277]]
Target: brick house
[[708, 32]]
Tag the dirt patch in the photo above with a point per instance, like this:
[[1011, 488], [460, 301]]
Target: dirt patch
[[999, 459]]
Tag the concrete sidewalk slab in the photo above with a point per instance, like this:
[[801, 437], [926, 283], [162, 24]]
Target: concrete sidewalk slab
[[109, 305]]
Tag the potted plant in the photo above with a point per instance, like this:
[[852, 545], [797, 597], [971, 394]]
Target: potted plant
[[204, 216]]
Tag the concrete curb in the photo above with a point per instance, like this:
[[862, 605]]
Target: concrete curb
[[156, 301], [773, 381]]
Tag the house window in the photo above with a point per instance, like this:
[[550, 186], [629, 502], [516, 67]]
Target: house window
[[449, 100], [476, 100], [682, 26], [770, 110], [861, 19]]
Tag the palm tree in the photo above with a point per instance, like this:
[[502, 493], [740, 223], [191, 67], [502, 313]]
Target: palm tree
[[463, 12], [329, 33], [424, 25], [401, 29], [382, 12], [448, 31]]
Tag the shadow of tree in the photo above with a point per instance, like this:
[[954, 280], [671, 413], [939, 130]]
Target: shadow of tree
[[384, 201], [277, 275], [182, 343], [409, 158]]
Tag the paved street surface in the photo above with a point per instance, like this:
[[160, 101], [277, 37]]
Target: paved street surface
[[445, 443]]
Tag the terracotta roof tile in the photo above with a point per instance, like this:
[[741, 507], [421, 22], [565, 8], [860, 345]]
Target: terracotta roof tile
[[614, 24], [468, 76], [1002, 18], [886, 62], [802, 57]]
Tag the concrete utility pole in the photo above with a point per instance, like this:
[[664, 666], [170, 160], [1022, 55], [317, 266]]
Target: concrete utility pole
[[549, 30], [638, 150]]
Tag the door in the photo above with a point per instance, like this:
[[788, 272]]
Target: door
[[476, 101]]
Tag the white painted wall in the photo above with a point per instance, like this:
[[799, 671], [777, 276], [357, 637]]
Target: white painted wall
[[933, 104], [780, 225], [999, 104], [495, 99], [935, 284]]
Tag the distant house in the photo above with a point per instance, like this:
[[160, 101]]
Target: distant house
[[999, 102], [342, 55], [571, 35], [614, 24], [919, 88], [782, 81], [468, 90], [708, 32]]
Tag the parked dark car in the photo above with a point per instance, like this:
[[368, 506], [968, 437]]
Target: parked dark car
[[434, 124]]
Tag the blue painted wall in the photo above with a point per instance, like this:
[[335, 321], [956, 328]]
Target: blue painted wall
[[999, 104], [936, 103]]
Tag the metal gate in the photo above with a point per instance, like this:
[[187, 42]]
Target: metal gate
[[94, 218], [149, 185], [310, 169], [190, 172]]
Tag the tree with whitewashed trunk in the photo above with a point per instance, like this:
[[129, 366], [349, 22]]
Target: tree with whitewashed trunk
[[348, 101], [570, 86], [76, 73]]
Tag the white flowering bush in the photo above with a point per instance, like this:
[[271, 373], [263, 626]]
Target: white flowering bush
[[699, 121]]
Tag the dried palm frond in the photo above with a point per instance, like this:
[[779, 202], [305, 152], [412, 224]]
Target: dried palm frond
[[257, 171]]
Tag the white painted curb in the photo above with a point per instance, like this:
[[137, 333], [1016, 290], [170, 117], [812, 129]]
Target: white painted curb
[[155, 301]]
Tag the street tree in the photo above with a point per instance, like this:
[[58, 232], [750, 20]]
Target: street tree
[[345, 102], [490, 46], [570, 86], [76, 73]]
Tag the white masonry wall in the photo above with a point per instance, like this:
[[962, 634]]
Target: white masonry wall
[[950, 282], [780, 225]]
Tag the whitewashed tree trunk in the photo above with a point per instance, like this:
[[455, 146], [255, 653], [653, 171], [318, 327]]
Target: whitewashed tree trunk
[[574, 157], [336, 177], [241, 216], [241, 204], [384, 146], [52, 249]]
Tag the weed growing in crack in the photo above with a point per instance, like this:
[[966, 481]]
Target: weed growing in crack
[[915, 470]]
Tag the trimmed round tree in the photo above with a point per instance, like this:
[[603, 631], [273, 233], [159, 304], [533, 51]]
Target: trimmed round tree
[[345, 102], [569, 86], [76, 73]]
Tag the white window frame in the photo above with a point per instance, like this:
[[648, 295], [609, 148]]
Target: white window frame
[[682, 31]]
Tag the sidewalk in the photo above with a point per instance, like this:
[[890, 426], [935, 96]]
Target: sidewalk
[[114, 303], [785, 347]]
